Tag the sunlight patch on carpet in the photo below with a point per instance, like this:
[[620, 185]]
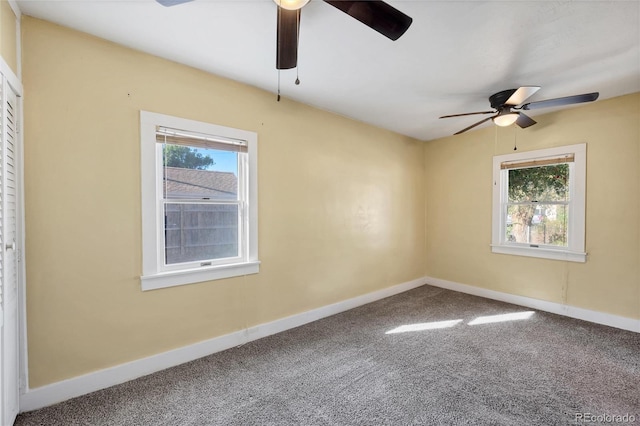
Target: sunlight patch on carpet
[[516, 316], [424, 326]]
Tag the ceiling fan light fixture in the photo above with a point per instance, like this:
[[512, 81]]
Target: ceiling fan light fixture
[[291, 4], [504, 120]]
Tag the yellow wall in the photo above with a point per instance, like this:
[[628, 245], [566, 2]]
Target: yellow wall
[[341, 206], [8, 36], [458, 197]]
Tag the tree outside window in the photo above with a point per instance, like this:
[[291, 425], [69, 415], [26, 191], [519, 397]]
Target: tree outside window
[[538, 205]]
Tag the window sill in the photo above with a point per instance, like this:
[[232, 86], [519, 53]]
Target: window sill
[[544, 253], [176, 278]]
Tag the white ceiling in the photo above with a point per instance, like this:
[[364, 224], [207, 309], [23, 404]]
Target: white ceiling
[[455, 54]]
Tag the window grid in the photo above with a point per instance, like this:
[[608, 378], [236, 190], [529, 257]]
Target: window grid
[[548, 236], [187, 254]]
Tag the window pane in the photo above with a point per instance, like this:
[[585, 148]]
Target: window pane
[[544, 183], [198, 232], [537, 224], [191, 172]]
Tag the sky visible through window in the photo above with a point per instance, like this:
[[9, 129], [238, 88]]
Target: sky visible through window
[[224, 161]]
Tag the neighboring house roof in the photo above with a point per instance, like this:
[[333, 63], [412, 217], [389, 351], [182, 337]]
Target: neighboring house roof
[[191, 183]]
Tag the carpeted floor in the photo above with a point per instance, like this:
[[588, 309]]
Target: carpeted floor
[[346, 370]]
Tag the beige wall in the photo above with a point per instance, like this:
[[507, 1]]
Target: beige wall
[[458, 197], [8, 36], [341, 206]]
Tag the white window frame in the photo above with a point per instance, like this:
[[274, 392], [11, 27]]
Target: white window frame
[[155, 274], [575, 250]]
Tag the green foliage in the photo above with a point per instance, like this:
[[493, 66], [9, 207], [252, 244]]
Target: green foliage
[[545, 183], [185, 157]]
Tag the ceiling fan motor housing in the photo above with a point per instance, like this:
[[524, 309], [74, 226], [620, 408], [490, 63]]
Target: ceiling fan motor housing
[[497, 100]]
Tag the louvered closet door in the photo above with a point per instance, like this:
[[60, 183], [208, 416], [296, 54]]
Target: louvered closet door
[[8, 259]]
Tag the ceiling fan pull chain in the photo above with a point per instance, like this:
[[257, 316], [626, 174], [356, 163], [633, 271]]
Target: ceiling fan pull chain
[[298, 44], [515, 139], [278, 86]]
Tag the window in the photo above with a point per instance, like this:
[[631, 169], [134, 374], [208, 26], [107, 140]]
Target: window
[[199, 201], [539, 203]]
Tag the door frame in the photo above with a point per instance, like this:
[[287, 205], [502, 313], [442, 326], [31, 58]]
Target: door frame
[[14, 83]]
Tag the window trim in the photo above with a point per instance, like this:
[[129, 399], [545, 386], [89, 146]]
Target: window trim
[[153, 276], [575, 250]]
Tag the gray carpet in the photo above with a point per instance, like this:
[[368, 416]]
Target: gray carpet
[[345, 370]]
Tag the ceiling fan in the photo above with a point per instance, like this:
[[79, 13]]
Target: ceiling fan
[[375, 14], [507, 111]]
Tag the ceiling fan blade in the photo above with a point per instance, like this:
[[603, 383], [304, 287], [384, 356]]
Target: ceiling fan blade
[[568, 100], [473, 125], [168, 3], [468, 113], [376, 14], [525, 121], [287, 38], [521, 95]]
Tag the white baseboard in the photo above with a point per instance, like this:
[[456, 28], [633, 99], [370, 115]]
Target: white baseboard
[[624, 323], [81, 385]]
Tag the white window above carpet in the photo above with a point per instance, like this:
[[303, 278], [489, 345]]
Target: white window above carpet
[[539, 203], [199, 201]]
